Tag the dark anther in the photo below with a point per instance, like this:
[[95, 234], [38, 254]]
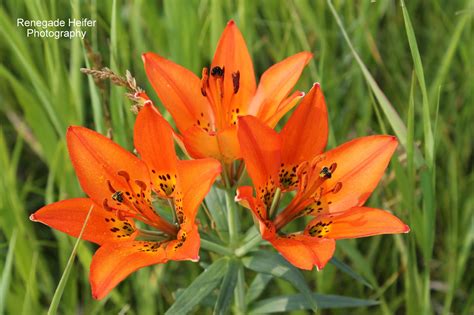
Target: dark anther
[[337, 187], [217, 72], [118, 196], [106, 206], [124, 174], [236, 81], [111, 188], [325, 172], [140, 184], [204, 78], [332, 168]]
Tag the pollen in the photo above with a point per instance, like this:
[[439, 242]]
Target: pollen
[[118, 196]]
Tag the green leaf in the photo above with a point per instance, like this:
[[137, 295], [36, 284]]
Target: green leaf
[[348, 270], [294, 302], [429, 142], [257, 286], [200, 288], [227, 288], [215, 200], [274, 264]]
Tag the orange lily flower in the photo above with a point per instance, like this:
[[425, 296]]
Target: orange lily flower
[[120, 187], [206, 110], [331, 187]]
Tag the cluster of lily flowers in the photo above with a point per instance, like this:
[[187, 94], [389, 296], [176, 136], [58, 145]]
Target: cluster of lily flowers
[[225, 123]]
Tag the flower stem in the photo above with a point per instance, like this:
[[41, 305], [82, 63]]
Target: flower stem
[[251, 244], [275, 202], [232, 217], [209, 245], [152, 235]]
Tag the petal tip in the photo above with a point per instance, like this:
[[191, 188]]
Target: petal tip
[[231, 22], [146, 57], [33, 217], [406, 229], [308, 55]]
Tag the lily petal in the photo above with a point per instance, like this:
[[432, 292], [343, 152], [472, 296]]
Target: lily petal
[[260, 147], [360, 166], [305, 134], [180, 91], [276, 83], [186, 246], [114, 261], [232, 55], [305, 252], [200, 144], [246, 199], [195, 179], [98, 162], [356, 222], [229, 144], [153, 138], [69, 215], [285, 106]]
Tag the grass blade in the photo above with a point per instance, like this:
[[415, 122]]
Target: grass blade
[[7, 272], [394, 119], [429, 142], [53, 308]]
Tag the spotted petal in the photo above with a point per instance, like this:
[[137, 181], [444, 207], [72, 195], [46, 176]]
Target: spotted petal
[[114, 261], [153, 138], [260, 147], [186, 246], [232, 55], [98, 161], [180, 91], [356, 222], [69, 215], [195, 180], [360, 166]]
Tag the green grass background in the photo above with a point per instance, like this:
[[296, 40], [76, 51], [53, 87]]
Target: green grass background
[[383, 68]]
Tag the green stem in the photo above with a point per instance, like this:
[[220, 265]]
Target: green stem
[[239, 293], [244, 249], [215, 247], [173, 210], [275, 202], [232, 217], [152, 235]]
